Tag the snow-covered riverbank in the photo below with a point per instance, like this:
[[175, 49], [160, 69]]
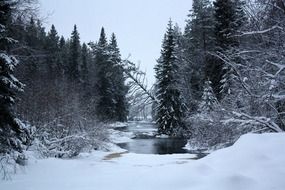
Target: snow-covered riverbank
[[255, 162]]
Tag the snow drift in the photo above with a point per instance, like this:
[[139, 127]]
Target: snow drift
[[254, 162]]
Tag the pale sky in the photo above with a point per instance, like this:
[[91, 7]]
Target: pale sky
[[138, 24]]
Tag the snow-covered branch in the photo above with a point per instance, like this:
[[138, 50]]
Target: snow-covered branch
[[138, 80], [244, 118], [236, 70], [260, 31]]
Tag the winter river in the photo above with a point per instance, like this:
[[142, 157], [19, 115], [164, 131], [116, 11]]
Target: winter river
[[145, 141]]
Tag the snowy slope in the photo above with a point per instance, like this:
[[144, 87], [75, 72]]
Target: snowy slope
[[255, 162]]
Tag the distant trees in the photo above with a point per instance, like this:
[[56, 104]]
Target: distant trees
[[105, 101], [118, 81], [70, 87], [78, 79], [74, 56], [111, 103]]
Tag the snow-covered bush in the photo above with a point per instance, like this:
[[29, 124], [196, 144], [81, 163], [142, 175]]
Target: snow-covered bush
[[7, 166], [58, 140], [211, 130], [11, 163]]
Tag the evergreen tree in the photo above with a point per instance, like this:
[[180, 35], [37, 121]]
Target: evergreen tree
[[52, 48], [13, 134], [120, 89], [181, 58], [170, 110], [74, 57], [86, 94], [52, 75], [64, 56], [198, 41], [31, 34], [105, 102], [84, 67], [41, 35], [17, 30], [229, 18], [199, 27], [209, 101]]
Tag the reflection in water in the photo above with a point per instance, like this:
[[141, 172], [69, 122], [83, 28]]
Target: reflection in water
[[146, 143], [170, 146], [155, 146]]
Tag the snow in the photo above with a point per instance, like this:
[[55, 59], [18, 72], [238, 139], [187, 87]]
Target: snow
[[120, 136], [254, 162], [118, 125], [116, 136]]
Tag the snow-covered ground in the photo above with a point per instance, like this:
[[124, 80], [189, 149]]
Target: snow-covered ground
[[255, 162]]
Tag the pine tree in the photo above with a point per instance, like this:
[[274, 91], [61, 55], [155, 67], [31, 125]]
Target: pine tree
[[198, 42], [74, 57], [13, 134], [31, 34], [105, 102], [84, 67], [170, 110], [41, 35], [230, 17], [86, 95], [209, 101], [18, 30], [181, 58], [52, 48], [120, 89], [64, 56], [199, 27]]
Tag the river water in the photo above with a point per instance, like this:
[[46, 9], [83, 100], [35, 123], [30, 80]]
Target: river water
[[145, 141]]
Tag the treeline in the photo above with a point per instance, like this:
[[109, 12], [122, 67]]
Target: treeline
[[226, 68], [65, 78], [68, 91]]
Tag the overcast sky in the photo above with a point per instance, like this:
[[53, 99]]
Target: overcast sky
[[138, 24]]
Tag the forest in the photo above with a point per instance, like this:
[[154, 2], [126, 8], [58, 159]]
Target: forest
[[220, 77]]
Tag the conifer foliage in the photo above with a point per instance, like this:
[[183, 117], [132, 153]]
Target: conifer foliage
[[198, 41], [209, 101], [170, 109], [111, 104], [13, 134], [229, 18], [118, 81], [74, 55]]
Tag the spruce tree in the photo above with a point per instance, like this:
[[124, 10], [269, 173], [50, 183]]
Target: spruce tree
[[63, 55], [31, 34], [120, 89], [229, 17], [41, 34], [105, 102], [209, 101], [13, 134], [74, 57], [199, 27], [84, 65], [52, 48], [170, 110], [86, 94], [198, 35]]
